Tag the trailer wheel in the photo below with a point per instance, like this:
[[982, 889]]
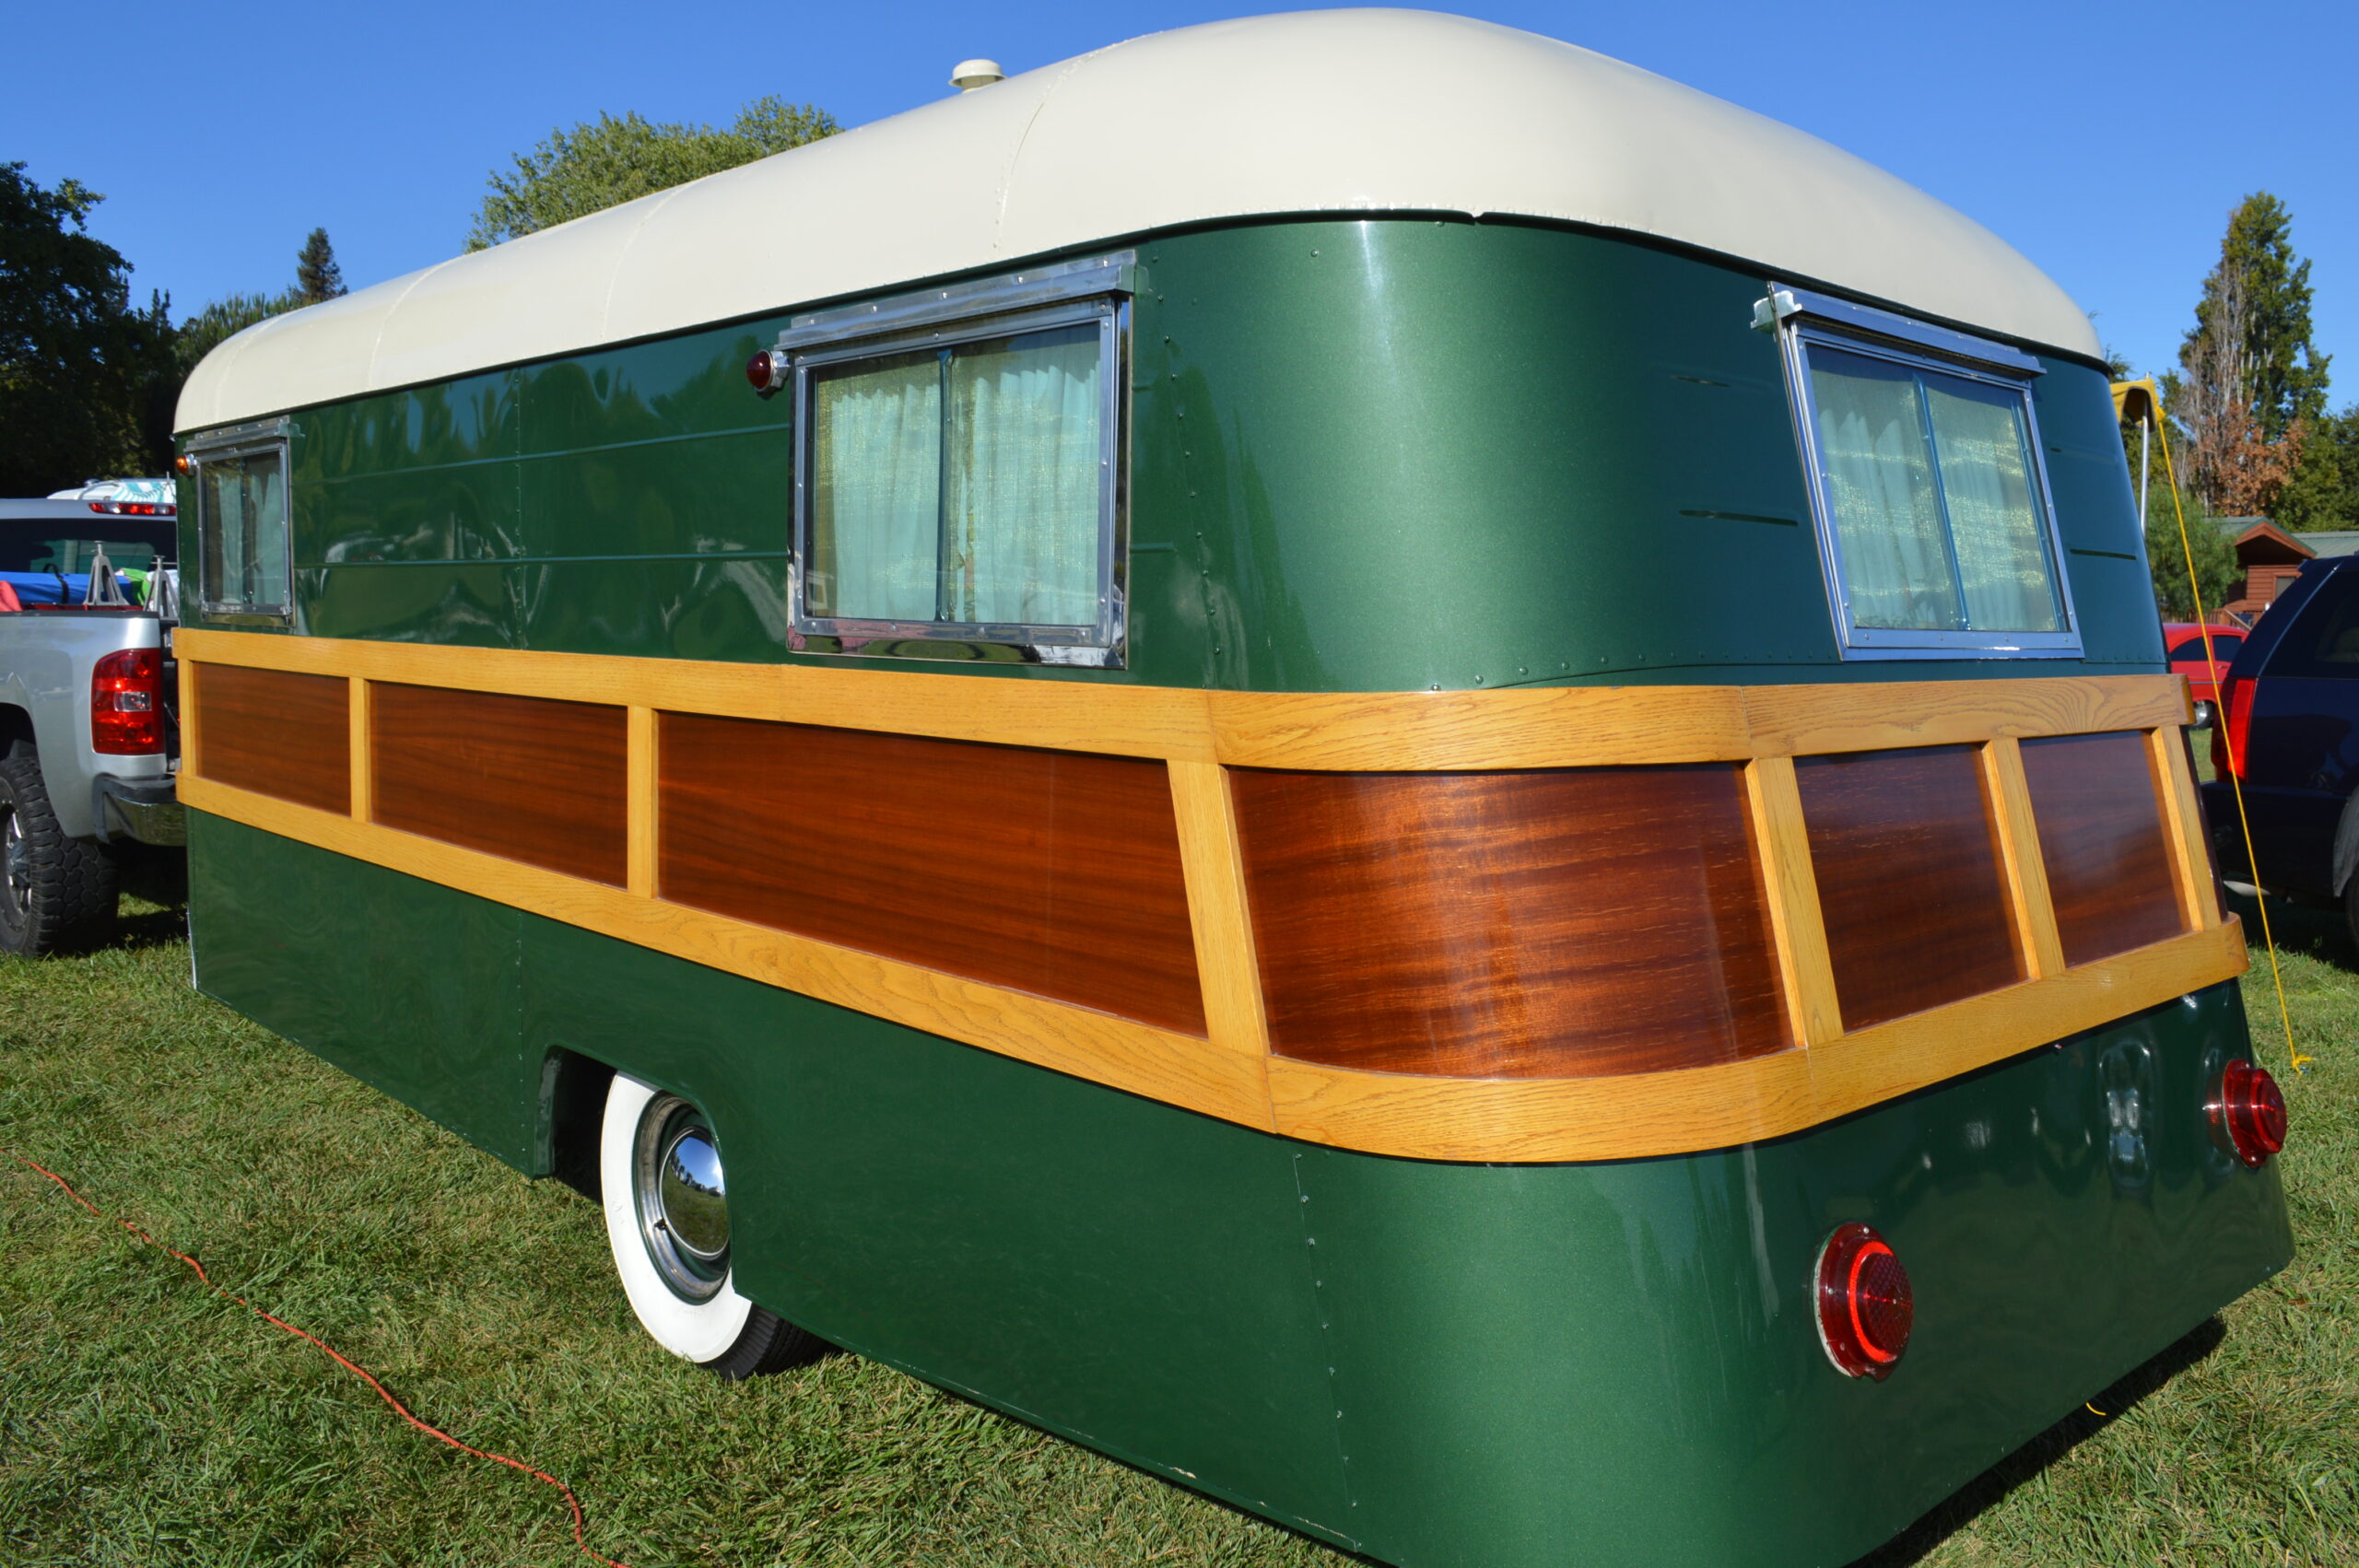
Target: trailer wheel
[[667, 1220], [58, 894]]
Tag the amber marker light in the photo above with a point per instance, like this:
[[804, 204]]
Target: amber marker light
[[767, 371], [2247, 1113], [1865, 1310]]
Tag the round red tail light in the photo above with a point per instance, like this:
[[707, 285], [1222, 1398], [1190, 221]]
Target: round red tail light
[[2247, 1112], [767, 371], [1864, 1308]]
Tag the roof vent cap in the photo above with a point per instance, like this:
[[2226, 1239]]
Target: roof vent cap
[[968, 75]]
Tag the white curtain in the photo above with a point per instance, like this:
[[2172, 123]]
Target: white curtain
[[1880, 483], [1994, 518], [245, 523], [1020, 527], [875, 490]]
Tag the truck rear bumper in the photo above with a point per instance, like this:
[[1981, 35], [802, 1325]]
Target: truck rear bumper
[[146, 809]]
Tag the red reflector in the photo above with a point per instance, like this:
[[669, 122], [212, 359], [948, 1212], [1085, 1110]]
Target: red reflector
[[1865, 1310], [127, 703], [2231, 725], [2247, 1113], [767, 371]]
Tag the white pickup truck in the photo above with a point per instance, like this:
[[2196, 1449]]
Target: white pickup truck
[[89, 736]]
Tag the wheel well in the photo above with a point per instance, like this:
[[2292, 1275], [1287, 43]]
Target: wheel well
[[573, 1103], [15, 729]]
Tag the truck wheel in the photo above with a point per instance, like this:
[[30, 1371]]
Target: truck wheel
[[58, 894], [667, 1220]]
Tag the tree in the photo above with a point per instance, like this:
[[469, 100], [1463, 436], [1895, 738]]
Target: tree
[[2229, 456], [2280, 373], [317, 277], [2324, 490], [596, 165], [86, 378], [2216, 554]]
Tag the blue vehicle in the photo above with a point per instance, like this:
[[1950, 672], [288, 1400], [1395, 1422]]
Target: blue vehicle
[[2289, 731]]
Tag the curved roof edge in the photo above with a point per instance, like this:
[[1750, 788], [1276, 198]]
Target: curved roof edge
[[1306, 114]]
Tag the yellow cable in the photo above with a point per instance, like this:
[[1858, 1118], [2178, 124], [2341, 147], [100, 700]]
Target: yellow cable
[[2235, 777]]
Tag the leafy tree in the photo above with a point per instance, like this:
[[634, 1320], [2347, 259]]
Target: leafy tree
[[2324, 491], [86, 378], [2214, 548], [317, 277], [2266, 288], [596, 165]]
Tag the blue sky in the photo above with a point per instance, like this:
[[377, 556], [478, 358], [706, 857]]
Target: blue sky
[[2107, 141]]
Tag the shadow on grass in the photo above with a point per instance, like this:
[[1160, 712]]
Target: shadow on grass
[[1914, 1544], [2320, 933], [155, 890]]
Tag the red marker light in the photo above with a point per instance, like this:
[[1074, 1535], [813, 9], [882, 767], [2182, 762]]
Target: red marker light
[[1865, 1310], [2247, 1110], [766, 371]]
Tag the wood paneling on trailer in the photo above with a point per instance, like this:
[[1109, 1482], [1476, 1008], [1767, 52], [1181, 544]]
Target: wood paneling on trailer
[[279, 733], [1055, 872], [1511, 925], [2102, 836], [535, 780]]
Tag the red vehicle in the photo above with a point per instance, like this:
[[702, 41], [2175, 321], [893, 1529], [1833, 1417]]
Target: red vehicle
[[2184, 640]]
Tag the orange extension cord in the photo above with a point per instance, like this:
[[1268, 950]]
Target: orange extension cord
[[399, 1408]]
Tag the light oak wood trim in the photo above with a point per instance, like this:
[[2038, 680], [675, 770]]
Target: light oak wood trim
[[1215, 868], [1386, 732], [191, 716], [1912, 1053], [363, 742], [640, 802], [2183, 824], [1471, 731], [1796, 925], [2020, 859], [1804, 720], [1180, 1070], [1508, 1120], [1063, 715]]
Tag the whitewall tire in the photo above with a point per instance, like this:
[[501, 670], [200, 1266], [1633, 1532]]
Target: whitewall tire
[[659, 1181]]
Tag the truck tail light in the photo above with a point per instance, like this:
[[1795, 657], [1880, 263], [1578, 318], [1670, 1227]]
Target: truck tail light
[[1865, 1310], [2231, 725], [127, 703], [2247, 1113]]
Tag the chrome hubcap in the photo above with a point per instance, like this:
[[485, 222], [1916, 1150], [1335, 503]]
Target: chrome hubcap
[[681, 1197], [12, 842]]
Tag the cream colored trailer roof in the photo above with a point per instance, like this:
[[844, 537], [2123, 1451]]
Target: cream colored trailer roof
[[1315, 112]]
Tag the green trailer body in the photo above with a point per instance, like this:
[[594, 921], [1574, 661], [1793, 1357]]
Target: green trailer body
[[1389, 452]]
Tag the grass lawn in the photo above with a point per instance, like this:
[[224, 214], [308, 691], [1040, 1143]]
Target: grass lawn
[[145, 1421]]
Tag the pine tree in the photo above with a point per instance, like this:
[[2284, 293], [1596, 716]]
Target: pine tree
[[317, 277], [2281, 374]]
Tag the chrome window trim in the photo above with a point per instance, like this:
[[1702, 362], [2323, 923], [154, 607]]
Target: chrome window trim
[[1800, 319], [1035, 300], [247, 439]]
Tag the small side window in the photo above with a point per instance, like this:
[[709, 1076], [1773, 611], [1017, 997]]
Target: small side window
[[241, 528], [2323, 644], [959, 483], [1933, 506]]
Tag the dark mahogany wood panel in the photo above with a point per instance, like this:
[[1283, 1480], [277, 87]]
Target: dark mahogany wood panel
[[2101, 834], [1568, 923], [1052, 873], [522, 777], [1909, 879], [277, 733]]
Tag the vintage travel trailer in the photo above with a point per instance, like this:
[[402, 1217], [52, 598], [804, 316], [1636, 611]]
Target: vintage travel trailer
[[1410, 776]]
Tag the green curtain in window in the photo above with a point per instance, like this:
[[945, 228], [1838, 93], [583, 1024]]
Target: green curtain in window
[[1020, 523], [1881, 486], [1994, 519], [875, 490]]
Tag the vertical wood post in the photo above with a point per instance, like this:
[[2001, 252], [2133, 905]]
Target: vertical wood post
[[188, 718], [1796, 924], [1214, 868], [364, 778], [639, 802], [2198, 896], [2020, 859]]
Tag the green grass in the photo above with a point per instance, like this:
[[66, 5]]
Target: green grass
[[145, 1421]]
